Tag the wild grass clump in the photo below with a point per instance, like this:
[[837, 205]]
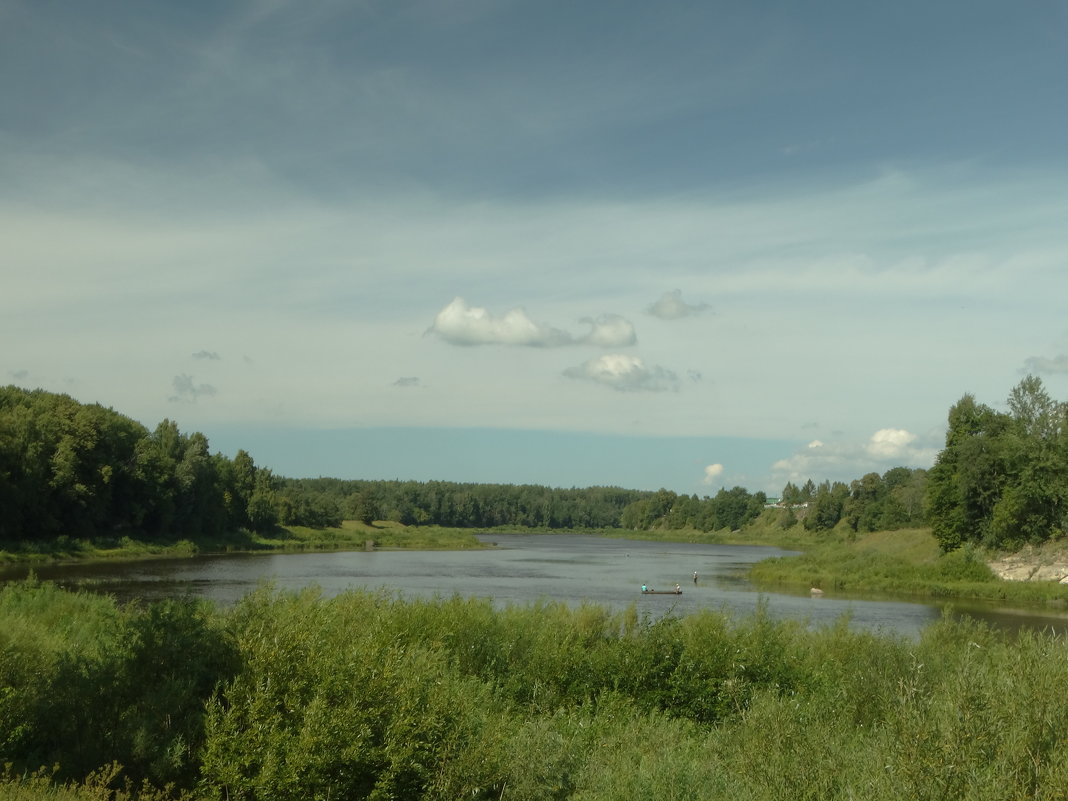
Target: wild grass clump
[[368, 695]]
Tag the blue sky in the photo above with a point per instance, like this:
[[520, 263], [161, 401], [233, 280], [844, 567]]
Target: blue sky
[[687, 245]]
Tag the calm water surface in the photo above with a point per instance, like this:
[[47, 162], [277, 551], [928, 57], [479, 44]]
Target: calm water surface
[[526, 568]]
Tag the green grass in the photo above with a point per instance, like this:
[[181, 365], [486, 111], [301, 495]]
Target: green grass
[[901, 563], [352, 535]]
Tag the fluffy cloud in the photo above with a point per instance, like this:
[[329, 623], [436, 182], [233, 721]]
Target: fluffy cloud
[[610, 331], [890, 443], [1040, 364], [460, 324], [712, 472], [624, 373], [672, 307]]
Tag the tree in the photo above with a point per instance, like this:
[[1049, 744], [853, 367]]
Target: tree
[[968, 475], [263, 504], [1002, 479], [364, 506], [826, 509], [1032, 506]]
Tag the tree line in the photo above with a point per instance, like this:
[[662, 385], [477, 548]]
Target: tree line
[[83, 470], [1001, 481]]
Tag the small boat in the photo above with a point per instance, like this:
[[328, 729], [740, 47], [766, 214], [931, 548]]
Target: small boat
[[661, 592]]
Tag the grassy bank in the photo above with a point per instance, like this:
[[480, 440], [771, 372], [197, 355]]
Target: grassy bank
[[293, 696], [352, 535], [902, 563]]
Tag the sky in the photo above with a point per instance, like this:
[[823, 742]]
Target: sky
[[683, 245]]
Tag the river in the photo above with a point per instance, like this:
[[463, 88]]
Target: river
[[525, 568]]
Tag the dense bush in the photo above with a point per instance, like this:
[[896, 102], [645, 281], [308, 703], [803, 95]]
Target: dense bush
[[293, 696], [84, 682]]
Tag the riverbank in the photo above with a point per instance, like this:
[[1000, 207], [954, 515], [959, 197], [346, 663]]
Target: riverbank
[[351, 536], [909, 563], [905, 563]]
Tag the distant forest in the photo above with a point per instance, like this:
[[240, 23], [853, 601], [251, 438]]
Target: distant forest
[[85, 471]]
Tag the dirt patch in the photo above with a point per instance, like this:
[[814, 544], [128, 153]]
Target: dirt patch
[[1049, 563]]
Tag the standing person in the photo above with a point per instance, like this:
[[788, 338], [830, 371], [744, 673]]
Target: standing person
[[695, 577], [644, 588]]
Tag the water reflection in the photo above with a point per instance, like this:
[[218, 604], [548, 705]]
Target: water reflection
[[522, 569]]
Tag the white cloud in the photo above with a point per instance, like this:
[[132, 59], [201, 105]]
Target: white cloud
[[610, 331], [624, 373], [712, 472], [460, 324], [672, 307], [815, 444], [890, 443]]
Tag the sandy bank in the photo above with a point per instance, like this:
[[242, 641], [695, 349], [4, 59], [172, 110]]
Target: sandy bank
[[1033, 564]]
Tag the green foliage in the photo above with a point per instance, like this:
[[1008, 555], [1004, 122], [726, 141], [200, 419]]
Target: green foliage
[[1002, 479], [729, 509], [86, 472], [451, 504], [905, 562], [82, 471], [293, 696], [84, 683], [827, 506]]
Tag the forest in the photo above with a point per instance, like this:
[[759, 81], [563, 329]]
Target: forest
[[69, 469]]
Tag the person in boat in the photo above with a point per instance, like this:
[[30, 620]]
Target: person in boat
[[678, 590], [645, 588]]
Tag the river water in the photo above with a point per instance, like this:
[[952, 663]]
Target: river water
[[526, 568]]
